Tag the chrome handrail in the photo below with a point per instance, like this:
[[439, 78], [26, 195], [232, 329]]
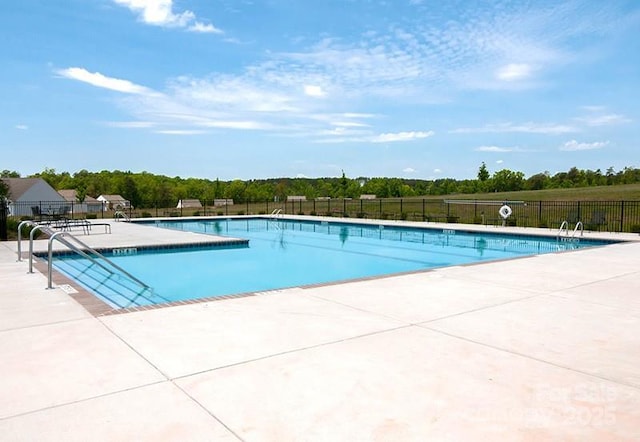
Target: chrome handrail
[[575, 230], [61, 237], [563, 227], [22, 223]]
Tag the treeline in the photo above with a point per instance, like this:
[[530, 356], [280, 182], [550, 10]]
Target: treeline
[[145, 188]]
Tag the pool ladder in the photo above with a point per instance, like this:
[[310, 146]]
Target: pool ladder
[[277, 213], [121, 214], [564, 227], [82, 249]]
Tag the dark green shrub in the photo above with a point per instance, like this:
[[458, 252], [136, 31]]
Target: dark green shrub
[[404, 216], [262, 212], [543, 224], [300, 213], [452, 219], [146, 215], [477, 220], [196, 213], [241, 212], [220, 213], [635, 228], [312, 213], [361, 215]]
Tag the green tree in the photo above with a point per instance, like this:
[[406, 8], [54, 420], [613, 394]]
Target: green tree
[[9, 174], [506, 180], [483, 173], [236, 191], [4, 189]]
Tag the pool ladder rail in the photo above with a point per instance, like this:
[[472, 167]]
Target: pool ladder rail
[[87, 252], [564, 227], [121, 214], [275, 215]]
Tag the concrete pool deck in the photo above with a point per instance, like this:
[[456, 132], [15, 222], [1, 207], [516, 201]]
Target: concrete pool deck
[[538, 348]]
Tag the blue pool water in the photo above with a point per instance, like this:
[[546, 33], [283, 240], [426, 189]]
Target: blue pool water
[[285, 253]]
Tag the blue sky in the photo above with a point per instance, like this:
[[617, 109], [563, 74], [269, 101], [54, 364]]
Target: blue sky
[[270, 88]]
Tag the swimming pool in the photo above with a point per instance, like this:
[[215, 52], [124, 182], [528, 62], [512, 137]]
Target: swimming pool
[[289, 253]]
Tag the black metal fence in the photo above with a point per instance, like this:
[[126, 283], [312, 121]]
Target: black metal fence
[[3, 219], [613, 216]]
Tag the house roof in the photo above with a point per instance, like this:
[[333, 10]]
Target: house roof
[[112, 198], [69, 194], [19, 186]]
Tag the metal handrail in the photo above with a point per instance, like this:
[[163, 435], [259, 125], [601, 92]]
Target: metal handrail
[[37, 227], [563, 227], [121, 214], [61, 237], [22, 223], [575, 230]]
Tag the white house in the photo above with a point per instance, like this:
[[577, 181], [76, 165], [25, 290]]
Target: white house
[[33, 196], [367, 196], [115, 202]]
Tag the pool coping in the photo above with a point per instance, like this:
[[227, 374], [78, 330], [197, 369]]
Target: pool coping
[[97, 307]]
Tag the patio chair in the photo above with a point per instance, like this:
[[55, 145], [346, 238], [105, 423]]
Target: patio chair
[[35, 212]]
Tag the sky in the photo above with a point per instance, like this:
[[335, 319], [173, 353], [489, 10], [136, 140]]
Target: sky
[[255, 89]]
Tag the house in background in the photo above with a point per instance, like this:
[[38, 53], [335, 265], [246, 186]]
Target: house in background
[[89, 205], [115, 202], [32, 197], [189, 204]]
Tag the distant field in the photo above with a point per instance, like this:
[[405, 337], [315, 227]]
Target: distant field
[[627, 192]]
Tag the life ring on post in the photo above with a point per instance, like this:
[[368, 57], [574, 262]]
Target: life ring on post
[[505, 211]]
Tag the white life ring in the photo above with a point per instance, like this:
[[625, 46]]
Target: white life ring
[[505, 211]]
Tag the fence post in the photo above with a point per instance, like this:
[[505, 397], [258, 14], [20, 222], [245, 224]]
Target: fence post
[[540, 213], [621, 215], [3, 219], [423, 213]]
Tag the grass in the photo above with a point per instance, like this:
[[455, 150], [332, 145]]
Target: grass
[[627, 192]]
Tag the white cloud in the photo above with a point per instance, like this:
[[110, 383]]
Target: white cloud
[[499, 161], [131, 124], [179, 132], [351, 136], [494, 149], [401, 136], [409, 170], [99, 80], [204, 28], [313, 91], [573, 145], [603, 120], [348, 124], [160, 13], [22, 127], [247, 125], [437, 170], [551, 129], [513, 71]]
